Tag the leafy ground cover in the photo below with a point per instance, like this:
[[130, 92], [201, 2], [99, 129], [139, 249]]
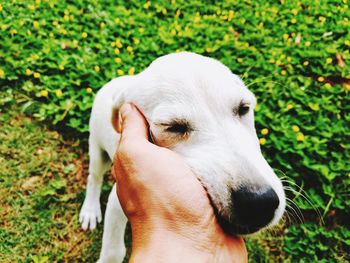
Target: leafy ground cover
[[294, 55]]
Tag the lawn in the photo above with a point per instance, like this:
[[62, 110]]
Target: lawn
[[55, 55]]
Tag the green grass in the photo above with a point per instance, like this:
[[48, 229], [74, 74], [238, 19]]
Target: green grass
[[55, 55], [42, 181]]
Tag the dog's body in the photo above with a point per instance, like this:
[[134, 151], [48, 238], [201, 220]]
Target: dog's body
[[197, 107]]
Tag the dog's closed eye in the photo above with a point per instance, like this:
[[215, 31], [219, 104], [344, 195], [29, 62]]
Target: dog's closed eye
[[177, 127]]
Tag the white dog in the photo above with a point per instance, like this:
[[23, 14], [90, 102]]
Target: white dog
[[198, 108]]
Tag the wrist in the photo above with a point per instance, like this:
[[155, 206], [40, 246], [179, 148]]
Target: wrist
[[155, 243], [165, 246]]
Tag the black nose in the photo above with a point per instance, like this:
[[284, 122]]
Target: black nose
[[254, 207]]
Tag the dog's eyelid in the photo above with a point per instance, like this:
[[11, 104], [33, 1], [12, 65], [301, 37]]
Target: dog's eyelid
[[242, 109]]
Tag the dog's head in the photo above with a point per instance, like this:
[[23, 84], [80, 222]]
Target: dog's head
[[197, 107]]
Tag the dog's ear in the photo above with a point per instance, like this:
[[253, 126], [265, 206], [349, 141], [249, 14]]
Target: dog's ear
[[125, 91], [118, 101]]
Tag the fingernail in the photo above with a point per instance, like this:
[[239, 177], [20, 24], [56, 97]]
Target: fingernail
[[125, 109]]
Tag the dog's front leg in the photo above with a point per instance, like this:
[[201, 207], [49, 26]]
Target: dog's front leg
[[113, 247], [90, 212]]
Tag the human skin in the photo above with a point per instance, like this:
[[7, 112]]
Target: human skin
[[169, 211]]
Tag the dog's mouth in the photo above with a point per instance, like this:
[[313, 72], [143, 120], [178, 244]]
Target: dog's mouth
[[234, 228]]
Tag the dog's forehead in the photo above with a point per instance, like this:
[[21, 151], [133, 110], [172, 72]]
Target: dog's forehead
[[190, 78]]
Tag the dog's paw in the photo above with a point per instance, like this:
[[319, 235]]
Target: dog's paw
[[90, 215]]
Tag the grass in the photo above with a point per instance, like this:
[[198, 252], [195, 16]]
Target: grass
[[42, 188]]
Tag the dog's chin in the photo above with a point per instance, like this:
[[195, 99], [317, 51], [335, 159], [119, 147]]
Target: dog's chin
[[235, 229]]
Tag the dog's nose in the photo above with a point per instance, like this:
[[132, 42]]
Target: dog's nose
[[254, 207]]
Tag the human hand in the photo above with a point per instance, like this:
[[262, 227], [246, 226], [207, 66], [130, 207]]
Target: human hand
[[168, 208]]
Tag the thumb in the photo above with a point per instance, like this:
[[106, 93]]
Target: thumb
[[133, 124]]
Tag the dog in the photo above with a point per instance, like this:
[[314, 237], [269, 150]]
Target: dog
[[197, 107]]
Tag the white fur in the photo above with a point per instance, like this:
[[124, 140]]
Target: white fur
[[223, 150]]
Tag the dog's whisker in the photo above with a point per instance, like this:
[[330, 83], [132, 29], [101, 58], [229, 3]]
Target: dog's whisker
[[301, 193], [297, 211]]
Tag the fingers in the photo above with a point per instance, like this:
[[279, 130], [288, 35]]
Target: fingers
[[133, 124]]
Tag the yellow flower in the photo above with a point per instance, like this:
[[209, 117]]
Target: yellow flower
[[2, 73], [197, 19], [118, 44], [294, 12], [97, 68], [264, 131], [147, 5], [31, 7], [285, 36], [283, 72], [89, 90], [295, 128], [129, 49], [262, 141], [289, 59], [28, 71], [84, 35], [117, 20], [306, 63], [44, 93], [116, 51], [59, 93], [55, 23], [347, 42], [61, 66], [36, 24], [173, 32], [51, 34], [38, 2], [36, 75], [136, 41], [300, 137], [131, 71], [0, 7], [293, 21], [322, 19], [327, 86], [102, 24], [320, 79], [289, 106], [13, 31], [141, 30], [239, 60], [346, 87], [66, 17], [118, 60], [120, 72], [329, 60], [63, 31], [307, 43]]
